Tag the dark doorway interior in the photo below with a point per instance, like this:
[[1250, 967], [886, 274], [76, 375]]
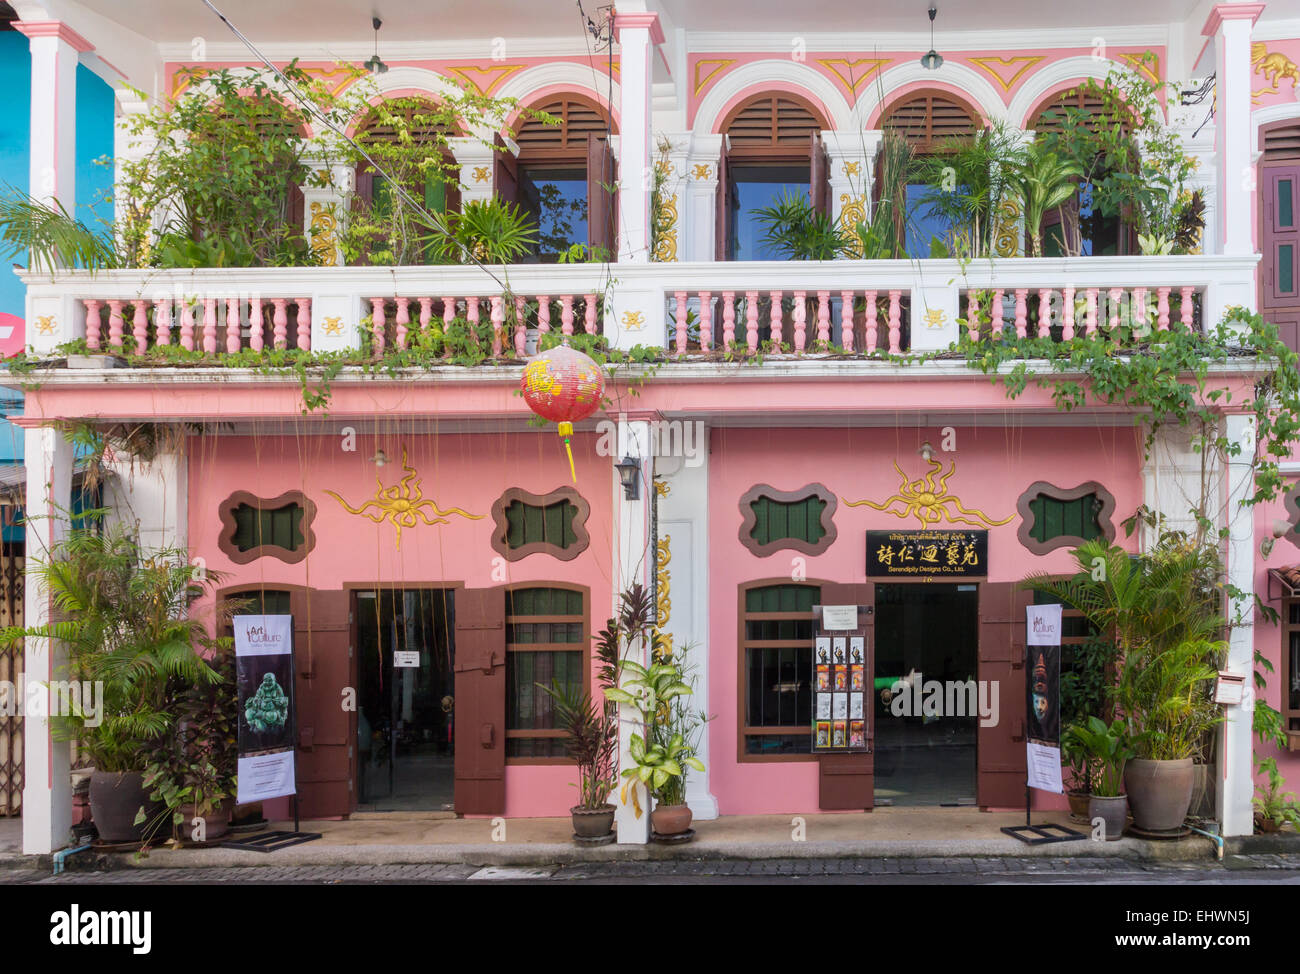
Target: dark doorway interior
[[925, 632], [405, 715]]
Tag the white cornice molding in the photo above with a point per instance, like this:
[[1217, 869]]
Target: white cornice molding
[[704, 42], [356, 52], [1276, 30]]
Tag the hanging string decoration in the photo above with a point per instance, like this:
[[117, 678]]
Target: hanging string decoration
[[564, 386]]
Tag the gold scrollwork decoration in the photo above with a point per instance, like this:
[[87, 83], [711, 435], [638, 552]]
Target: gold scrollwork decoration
[[1006, 235], [853, 210], [927, 500], [324, 235]]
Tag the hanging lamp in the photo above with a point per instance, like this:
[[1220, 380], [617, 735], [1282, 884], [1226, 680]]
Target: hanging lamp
[[932, 60]]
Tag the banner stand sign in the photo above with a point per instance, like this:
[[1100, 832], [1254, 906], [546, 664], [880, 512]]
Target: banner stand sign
[[268, 725], [1043, 720]]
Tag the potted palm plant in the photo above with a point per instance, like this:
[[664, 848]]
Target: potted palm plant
[[591, 738], [1163, 611], [123, 612], [1107, 749]]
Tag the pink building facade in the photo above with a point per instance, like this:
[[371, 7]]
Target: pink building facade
[[420, 512]]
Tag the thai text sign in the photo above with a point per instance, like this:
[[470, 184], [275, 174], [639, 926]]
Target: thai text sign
[[927, 554]]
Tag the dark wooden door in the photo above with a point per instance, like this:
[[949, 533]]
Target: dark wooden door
[[327, 733], [722, 212], [819, 187], [480, 665], [505, 181], [1000, 748], [848, 781]]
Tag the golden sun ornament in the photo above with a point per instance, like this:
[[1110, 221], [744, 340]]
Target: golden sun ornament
[[403, 504], [927, 500]]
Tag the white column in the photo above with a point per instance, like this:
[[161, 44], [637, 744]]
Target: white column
[[1229, 25], [637, 34], [152, 497], [682, 483], [700, 218], [633, 563], [53, 163], [47, 786], [325, 209], [477, 161], [671, 153], [852, 158], [1236, 772]]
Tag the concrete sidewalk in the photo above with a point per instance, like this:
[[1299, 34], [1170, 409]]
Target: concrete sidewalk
[[895, 833]]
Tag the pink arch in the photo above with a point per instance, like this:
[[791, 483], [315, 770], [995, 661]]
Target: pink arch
[[765, 88], [533, 97], [1052, 92], [893, 97]]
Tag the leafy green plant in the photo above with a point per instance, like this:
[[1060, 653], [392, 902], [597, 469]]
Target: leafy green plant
[[493, 231], [50, 235], [1274, 808], [1106, 747], [1044, 181], [123, 612], [797, 231]]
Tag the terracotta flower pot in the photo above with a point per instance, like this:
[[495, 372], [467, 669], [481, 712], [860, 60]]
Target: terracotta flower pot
[[215, 824], [115, 798], [1078, 805], [1113, 811], [671, 819], [592, 823], [1159, 792]]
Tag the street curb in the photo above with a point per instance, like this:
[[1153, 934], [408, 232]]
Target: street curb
[[1277, 842], [536, 854]]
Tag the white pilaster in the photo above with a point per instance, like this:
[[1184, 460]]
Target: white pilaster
[[683, 530], [47, 786], [1229, 25], [152, 497], [53, 161], [325, 209], [633, 563], [700, 218], [1235, 741], [476, 159], [852, 158], [672, 153], [637, 35]]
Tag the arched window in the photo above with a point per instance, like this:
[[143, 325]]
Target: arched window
[[408, 139], [1279, 227], [930, 123], [772, 149], [1076, 228], [564, 176]]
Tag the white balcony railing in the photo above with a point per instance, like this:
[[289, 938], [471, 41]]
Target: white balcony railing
[[861, 306]]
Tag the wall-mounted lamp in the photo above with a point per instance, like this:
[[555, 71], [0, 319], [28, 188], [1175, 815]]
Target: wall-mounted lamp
[[932, 60], [926, 451], [374, 65], [629, 475]]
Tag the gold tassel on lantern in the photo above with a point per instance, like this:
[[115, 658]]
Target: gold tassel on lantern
[[566, 430]]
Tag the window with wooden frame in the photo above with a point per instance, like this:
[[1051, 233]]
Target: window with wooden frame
[[1074, 227], [255, 527], [928, 121], [554, 524], [776, 699], [408, 138], [1290, 671], [797, 520], [1059, 517], [564, 176], [546, 642], [772, 149]]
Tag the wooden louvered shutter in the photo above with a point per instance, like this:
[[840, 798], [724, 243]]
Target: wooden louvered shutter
[[505, 182], [848, 781], [927, 121], [1279, 190], [723, 207], [1001, 748], [602, 197], [820, 169], [480, 666]]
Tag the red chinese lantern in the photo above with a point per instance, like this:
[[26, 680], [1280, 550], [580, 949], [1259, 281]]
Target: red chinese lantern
[[564, 386]]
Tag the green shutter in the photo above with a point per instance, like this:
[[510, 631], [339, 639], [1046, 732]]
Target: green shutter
[[800, 520], [1056, 518], [280, 527], [534, 524], [782, 598]]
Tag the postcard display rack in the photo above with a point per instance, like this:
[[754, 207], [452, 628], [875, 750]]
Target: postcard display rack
[[841, 680]]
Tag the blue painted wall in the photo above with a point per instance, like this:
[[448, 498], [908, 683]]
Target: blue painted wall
[[95, 112]]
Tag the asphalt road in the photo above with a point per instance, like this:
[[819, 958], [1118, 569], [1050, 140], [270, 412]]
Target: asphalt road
[[1235, 870]]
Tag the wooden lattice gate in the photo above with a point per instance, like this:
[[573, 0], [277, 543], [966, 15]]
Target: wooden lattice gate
[[11, 667]]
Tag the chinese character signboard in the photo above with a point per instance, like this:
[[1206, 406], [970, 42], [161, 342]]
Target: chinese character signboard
[[841, 670], [927, 554]]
